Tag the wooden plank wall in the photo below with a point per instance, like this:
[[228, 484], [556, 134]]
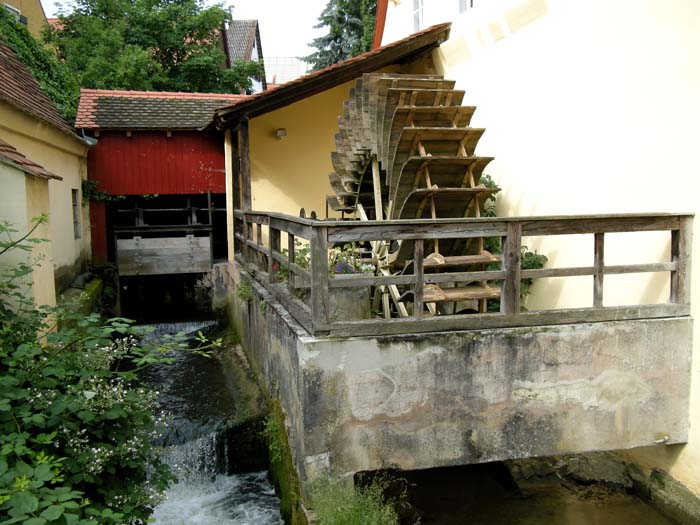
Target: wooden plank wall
[[163, 255]]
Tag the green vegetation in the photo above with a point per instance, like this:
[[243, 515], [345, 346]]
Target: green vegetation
[[244, 291], [339, 503], [528, 260], [55, 79], [76, 427], [350, 26], [282, 470], [91, 192], [147, 45]]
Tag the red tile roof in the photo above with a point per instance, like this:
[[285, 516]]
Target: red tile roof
[[331, 76], [9, 155], [55, 23], [106, 109], [20, 89]]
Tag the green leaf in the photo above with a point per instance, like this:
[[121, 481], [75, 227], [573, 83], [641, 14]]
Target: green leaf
[[53, 512], [23, 503], [43, 472], [35, 521]]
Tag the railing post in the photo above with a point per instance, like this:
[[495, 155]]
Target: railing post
[[598, 268], [319, 278], [258, 240], [510, 292], [418, 285], [291, 259], [247, 235], [681, 242], [274, 247]]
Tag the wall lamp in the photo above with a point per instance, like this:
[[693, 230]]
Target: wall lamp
[[280, 133]]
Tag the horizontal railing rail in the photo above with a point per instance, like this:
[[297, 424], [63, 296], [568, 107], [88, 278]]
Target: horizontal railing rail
[[309, 286]]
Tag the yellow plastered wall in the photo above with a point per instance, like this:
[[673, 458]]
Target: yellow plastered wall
[[28, 198], [589, 107], [64, 156], [32, 9], [292, 173]]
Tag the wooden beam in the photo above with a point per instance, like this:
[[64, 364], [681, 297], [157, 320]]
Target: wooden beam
[[320, 302], [681, 245], [510, 296], [291, 260], [599, 268], [338, 74], [377, 186], [244, 163], [274, 239], [410, 325], [418, 285]]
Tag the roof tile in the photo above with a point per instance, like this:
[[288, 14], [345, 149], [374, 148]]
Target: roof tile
[[19, 88], [106, 109], [10, 155], [239, 36]]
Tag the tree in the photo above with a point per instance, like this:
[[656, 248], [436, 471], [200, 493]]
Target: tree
[[166, 45], [350, 31], [57, 81]]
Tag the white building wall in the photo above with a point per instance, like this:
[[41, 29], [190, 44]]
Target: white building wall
[[589, 107]]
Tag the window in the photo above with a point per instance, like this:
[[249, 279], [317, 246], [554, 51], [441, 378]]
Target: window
[[76, 213], [417, 15], [465, 4]]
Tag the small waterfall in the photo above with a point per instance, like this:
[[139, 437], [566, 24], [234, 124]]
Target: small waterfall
[[188, 327], [193, 393]]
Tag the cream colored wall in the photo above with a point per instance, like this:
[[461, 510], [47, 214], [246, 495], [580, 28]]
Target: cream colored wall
[[589, 107], [27, 197], [65, 156], [36, 19], [292, 173], [42, 255]]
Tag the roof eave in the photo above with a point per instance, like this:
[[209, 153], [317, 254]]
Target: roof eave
[[330, 77], [47, 175]]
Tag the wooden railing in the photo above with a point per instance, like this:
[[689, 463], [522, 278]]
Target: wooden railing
[[258, 249]]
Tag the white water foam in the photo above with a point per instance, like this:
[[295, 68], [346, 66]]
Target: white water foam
[[244, 499]]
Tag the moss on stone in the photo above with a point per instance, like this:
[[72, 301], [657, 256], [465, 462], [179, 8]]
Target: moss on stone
[[282, 471]]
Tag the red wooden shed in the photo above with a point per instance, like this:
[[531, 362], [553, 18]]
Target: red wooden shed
[[154, 174]]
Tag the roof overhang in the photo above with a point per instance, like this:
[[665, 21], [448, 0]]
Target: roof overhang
[[330, 77]]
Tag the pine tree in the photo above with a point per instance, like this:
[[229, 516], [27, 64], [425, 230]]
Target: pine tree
[[350, 26]]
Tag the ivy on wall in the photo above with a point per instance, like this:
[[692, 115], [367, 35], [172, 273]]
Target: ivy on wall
[[54, 78]]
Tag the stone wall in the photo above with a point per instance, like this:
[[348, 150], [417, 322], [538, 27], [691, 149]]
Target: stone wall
[[415, 402]]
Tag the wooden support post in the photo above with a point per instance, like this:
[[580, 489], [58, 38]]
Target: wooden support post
[[319, 279], [211, 231], [510, 293], [244, 164], [258, 240], [247, 230], [290, 260], [274, 247], [599, 269], [681, 244], [377, 185], [418, 286]]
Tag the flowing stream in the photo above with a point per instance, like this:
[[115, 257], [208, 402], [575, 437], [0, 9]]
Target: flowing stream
[[193, 392]]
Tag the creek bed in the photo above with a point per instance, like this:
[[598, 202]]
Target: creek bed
[[207, 411]]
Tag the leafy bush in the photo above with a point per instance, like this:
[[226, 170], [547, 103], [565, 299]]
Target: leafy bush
[[76, 428], [528, 260], [338, 503]]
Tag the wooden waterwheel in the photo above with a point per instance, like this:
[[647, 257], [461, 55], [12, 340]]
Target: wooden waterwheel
[[405, 150]]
